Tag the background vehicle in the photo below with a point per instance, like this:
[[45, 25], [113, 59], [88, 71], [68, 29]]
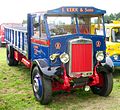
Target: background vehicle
[[113, 42], [2, 35], [2, 41], [62, 52]]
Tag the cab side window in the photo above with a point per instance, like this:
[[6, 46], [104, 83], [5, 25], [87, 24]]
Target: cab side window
[[39, 28], [96, 27], [43, 31], [36, 27]]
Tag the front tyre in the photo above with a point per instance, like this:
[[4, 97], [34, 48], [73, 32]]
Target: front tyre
[[105, 85], [42, 87]]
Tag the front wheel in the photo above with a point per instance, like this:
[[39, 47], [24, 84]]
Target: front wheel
[[42, 87], [105, 85]]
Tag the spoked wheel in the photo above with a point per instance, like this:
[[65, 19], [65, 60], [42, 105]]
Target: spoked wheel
[[10, 56], [105, 86], [42, 87]]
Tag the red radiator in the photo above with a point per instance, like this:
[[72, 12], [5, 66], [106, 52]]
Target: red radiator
[[81, 58]]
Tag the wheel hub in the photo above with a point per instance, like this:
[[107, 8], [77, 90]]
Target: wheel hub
[[36, 84]]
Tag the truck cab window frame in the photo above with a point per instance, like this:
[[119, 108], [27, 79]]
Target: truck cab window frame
[[39, 28]]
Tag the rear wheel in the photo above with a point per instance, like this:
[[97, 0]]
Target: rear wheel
[[42, 87], [10, 56], [105, 86]]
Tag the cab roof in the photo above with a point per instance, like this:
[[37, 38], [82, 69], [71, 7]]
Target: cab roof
[[72, 10]]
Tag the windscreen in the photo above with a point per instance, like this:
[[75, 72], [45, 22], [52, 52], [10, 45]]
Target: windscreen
[[97, 27], [60, 25]]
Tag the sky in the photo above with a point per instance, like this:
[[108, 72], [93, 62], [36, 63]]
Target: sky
[[16, 10]]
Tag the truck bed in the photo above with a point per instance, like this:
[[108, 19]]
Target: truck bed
[[16, 36]]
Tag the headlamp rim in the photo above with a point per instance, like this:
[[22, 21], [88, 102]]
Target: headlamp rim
[[99, 53], [62, 56]]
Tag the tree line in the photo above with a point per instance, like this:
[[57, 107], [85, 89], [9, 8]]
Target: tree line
[[115, 16], [108, 18]]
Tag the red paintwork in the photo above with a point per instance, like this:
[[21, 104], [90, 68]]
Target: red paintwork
[[19, 57], [94, 77], [56, 86], [96, 80], [2, 34], [2, 38], [66, 79], [16, 55], [43, 42], [81, 57], [26, 62], [101, 80]]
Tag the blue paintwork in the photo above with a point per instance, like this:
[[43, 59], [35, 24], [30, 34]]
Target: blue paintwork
[[115, 62], [64, 44], [19, 40], [40, 85], [12, 37], [43, 52], [62, 40], [63, 11], [29, 33]]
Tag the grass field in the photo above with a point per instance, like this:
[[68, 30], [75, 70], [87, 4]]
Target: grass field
[[16, 93]]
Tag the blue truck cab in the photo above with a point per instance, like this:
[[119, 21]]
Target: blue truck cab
[[62, 51]]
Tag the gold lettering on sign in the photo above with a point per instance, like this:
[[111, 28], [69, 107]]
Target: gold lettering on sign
[[89, 10], [72, 9], [81, 10]]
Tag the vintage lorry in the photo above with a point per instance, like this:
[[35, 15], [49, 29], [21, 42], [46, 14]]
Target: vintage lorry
[[62, 52], [113, 41], [2, 41]]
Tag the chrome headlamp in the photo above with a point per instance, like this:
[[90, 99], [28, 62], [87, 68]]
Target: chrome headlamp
[[53, 56], [64, 57], [99, 55], [115, 57]]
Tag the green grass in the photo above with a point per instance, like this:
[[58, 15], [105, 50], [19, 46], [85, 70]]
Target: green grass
[[16, 93]]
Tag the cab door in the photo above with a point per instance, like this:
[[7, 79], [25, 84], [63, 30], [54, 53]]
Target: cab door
[[39, 42]]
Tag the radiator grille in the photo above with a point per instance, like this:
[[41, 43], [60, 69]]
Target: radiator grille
[[81, 57]]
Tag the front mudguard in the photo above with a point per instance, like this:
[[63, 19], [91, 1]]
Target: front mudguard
[[107, 67], [104, 68], [45, 70], [109, 62]]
